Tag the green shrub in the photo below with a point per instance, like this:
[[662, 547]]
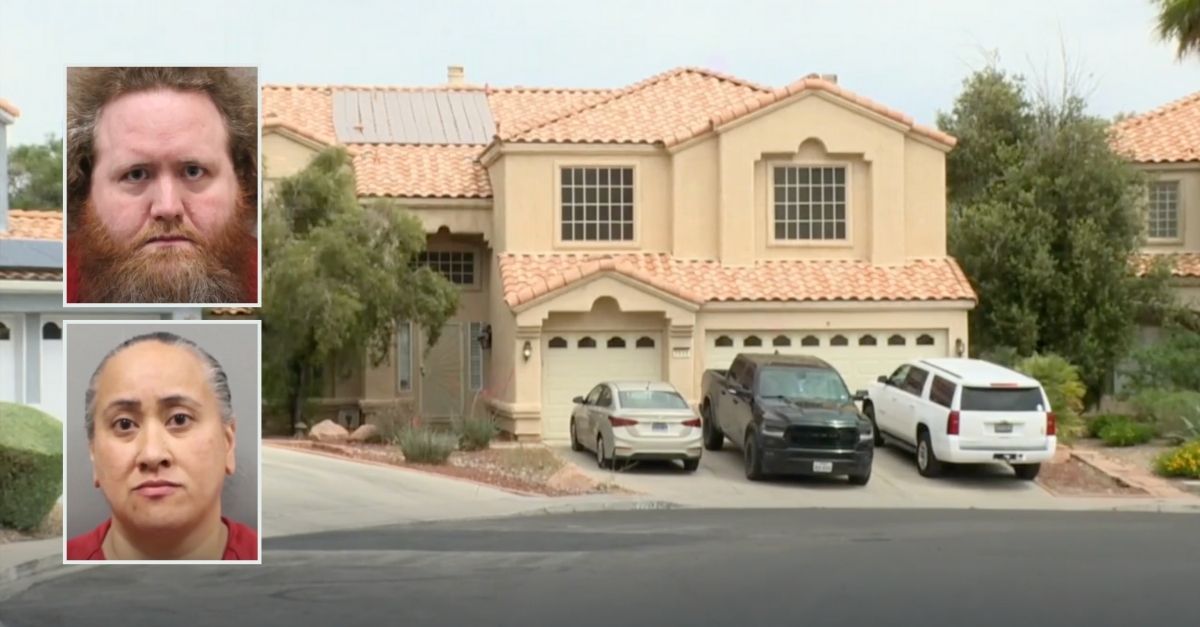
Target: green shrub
[[1172, 363], [1063, 386], [1126, 433], [30, 465], [1097, 424], [1174, 413], [423, 445], [1180, 462], [476, 434]]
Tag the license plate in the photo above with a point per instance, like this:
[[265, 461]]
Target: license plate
[[660, 426], [1004, 427], [822, 466]]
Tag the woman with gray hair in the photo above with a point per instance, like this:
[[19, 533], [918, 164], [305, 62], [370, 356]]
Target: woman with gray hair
[[161, 429]]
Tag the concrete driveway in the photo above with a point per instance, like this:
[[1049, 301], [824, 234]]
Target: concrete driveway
[[720, 482]]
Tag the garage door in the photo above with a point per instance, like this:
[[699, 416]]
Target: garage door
[[8, 359], [54, 385], [860, 356], [573, 363]]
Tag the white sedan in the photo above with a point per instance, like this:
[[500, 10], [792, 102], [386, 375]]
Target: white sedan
[[636, 420]]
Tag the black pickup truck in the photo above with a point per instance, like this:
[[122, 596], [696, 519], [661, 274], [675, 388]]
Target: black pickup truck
[[789, 414]]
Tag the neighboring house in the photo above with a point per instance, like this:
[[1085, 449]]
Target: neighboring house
[[1165, 144], [31, 299], [647, 232]]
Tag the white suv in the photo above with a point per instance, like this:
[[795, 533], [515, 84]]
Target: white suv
[[963, 411]]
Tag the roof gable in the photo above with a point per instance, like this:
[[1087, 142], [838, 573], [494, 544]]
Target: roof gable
[[1168, 134]]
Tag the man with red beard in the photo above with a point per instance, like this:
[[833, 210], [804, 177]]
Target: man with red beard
[[162, 186]]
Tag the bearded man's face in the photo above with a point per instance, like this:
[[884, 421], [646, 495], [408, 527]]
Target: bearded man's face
[[165, 221]]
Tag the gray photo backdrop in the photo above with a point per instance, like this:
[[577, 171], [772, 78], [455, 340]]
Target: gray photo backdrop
[[234, 344]]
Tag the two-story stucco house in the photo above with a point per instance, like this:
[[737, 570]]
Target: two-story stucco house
[[1165, 144], [31, 298], [648, 232]]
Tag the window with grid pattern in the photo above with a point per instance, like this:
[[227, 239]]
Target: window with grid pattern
[[810, 202], [597, 204], [457, 266], [1163, 212]]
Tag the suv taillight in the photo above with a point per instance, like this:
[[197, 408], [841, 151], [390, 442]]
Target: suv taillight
[[694, 422], [952, 423], [1051, 424], [621, 422]]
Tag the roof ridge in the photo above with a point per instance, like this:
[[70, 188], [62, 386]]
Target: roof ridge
[[468, 87], [1156, 112], [634, 88]]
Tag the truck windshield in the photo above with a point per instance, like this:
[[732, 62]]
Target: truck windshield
[[652, 399], [802, 383], [1002, 399]]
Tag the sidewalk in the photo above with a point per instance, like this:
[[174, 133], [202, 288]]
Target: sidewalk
[[22, 563]]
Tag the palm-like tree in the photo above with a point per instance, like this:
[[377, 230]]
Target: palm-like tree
[[1179, 21]]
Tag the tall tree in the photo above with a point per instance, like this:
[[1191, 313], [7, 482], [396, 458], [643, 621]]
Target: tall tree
[[1047, 221], [1179, 22], [337, 277], [35, 175]]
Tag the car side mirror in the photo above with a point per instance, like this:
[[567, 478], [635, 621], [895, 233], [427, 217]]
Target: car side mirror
[[860, 395], [882, 378], [578, 400]]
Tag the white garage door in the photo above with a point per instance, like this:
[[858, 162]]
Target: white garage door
[[574, 363], [54, 385], [860, 356], [8, 359]]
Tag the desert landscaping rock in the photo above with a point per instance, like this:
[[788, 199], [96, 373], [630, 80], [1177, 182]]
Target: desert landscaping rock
[[328, 431], [366, 433]]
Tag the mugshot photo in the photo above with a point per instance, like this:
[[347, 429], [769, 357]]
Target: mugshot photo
[[162, 441], [162, 185]]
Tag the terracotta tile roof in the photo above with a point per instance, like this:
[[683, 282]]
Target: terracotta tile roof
[[527, 277], [233, 311], [421, 171], [26, 224], [9, 108], [1182, 264], [516, 108], [305, 109], [23, 274], [669, 104], [1170, 133]]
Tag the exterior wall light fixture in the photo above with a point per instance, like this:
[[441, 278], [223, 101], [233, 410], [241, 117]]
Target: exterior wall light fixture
[[527, 352]]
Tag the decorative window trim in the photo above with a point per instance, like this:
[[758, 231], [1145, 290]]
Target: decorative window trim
[[444, 263], [810, 340], [868, 340], [839, 340], [925, 339], [723, 341], [558, 342], [5, 332], [1176, 190], [404, 357], [752, 341], [559, 241], [781, 341], [645, 342], [51, 331], [897, 340], [847, 241], [615, 341], [586, 341]]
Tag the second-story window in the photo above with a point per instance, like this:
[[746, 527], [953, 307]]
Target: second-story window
[[597, 204], [810, 203], [457, 266], [1162, 217]]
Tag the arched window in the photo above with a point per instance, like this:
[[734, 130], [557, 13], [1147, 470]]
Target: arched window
[[925, 340], [810, 340], [5, 334], [616, 342], [839, 340], [867, 340], [558, 342], [586, 342], [897, 340], [51, 331], [781, 340], [724, 341], [645, 342], [753, 340]]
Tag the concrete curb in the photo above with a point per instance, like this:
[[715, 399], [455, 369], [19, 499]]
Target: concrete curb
[[30, 568], [615, 506]]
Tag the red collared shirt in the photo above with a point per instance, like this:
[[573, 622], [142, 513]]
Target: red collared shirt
[[241, 545]]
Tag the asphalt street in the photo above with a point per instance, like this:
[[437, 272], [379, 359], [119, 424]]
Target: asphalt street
[[674, 567]]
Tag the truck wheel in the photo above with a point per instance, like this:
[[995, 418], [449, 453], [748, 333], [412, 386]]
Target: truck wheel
[[714, 440], [927, 462], [869, 411], [1027, 472], [575, 445], [753, 459]]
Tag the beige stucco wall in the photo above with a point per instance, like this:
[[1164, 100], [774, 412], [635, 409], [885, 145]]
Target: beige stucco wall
[[1188, 294], [695, 217], [282, 157], [1189, 207]]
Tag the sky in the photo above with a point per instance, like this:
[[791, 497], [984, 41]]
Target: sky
[[909, 55]]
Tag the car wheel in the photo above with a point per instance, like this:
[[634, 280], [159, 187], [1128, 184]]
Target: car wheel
[[602, 459], [714, 440], [927, 461], [1027, 472], [690, 465], [575, 445], [869, 411], [753, 459]]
